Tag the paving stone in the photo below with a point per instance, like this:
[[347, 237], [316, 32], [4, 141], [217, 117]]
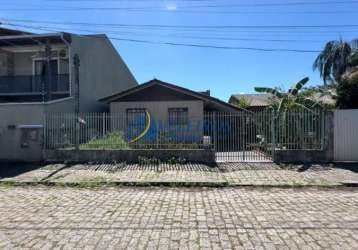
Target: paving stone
[[173, 218]]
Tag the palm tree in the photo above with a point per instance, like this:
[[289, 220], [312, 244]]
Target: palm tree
[[335, 59], [283, 101]]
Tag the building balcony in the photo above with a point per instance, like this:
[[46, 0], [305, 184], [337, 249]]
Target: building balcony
[[34, 85]]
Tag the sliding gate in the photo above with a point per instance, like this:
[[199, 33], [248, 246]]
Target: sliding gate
[[241, 137]]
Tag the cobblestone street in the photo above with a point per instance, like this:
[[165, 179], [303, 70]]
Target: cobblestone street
[[162, 218]]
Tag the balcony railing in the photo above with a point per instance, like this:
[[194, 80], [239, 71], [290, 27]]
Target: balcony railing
[[33, 84]]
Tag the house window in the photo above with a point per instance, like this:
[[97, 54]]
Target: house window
[[136, 117], [178, 116]]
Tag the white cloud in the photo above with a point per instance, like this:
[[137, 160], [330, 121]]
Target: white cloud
[[171, 6]]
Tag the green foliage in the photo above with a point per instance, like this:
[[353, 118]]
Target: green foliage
[[142, 160], [332, 62], [337, 64], [177, 160], [113, 140], [326, 96], [242, 102], [347, 94], [335, 59], [290, 100]]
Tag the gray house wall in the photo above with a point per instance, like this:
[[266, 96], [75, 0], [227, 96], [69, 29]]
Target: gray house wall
[[23, 63], [3, 68], [15, 116], [102, 71]]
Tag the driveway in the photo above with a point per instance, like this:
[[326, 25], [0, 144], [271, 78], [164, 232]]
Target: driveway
[[162, 218]]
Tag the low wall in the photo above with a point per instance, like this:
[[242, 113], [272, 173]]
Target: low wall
[[131, 156], [302, 156]]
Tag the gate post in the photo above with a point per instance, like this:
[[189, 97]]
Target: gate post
[[215, 132], [76, 62], [273, 136]]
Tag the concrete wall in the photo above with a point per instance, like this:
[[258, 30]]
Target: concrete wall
[[4, 63], [130, 156], [312, 156], [23, 63], [102, 71], [346, 135], [13, 116], [16, 115]]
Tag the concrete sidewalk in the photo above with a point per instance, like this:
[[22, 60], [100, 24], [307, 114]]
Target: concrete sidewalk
[[233, 174]]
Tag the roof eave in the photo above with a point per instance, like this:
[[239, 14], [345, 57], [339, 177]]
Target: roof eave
[[15, 37], [197, 95]]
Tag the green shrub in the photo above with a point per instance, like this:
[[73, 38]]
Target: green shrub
[[113, 140], [142, 160], [177, 160]]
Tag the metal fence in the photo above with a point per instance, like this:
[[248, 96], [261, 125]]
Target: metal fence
[[242, 136], [300, 129], [116, 131]]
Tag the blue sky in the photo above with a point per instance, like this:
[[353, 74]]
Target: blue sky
[[224, 72]]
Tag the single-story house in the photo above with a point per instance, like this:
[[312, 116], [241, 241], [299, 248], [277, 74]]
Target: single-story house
[[251, 101], [160, 109], [256, 102]]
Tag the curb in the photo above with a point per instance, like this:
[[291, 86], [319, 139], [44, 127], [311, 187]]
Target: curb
[[89, 184]]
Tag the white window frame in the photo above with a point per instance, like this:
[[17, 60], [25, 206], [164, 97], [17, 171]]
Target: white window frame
[[44, 59]]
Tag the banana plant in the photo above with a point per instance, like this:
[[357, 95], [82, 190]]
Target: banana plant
[[285, 101]]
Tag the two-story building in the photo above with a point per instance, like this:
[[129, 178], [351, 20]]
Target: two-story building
[[37, 76]]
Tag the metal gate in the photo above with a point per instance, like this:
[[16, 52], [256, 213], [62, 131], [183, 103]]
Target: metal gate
[[241, 137], [345, 135]]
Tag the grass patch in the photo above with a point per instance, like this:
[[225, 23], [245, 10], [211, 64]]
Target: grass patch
[[8, 184], [113, 140]]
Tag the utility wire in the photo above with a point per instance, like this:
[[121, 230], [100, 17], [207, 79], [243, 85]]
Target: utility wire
[[326, 26], [187, 8], [298, 3], [182, 36], [214, 32], [178, 11], [191, 45]]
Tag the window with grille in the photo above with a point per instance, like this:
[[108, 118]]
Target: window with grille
[[136, 117], [178, 116]]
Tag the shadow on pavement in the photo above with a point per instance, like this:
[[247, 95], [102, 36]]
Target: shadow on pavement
[[56, 171], [347, 166], [8, 170]]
